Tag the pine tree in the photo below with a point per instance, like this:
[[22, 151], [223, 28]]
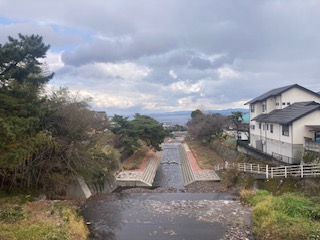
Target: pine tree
[[22, 77]]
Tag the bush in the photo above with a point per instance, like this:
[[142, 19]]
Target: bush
[[289, 216]]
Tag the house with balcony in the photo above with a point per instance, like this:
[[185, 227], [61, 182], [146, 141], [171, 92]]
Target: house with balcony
[[285, 122]]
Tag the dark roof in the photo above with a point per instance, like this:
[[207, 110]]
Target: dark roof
[[276, 92], [288, 114]]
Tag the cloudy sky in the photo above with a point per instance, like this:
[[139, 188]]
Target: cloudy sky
[[168, 55]]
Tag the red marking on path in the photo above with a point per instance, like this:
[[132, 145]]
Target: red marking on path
[[142, 167], [193, 162]]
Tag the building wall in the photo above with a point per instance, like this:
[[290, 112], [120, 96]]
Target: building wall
[[287, 152], [300, 129], [297, 95]]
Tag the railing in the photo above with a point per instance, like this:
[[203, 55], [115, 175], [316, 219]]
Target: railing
[[312, 146], [272, 172]]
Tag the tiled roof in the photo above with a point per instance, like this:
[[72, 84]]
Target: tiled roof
[[276, 92], [288, 114]]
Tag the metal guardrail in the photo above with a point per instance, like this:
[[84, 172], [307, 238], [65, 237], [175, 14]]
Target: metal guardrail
[[311, 170]]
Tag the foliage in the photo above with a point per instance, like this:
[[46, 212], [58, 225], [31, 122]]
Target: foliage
[[289, 216], [46, 140], [205, 127], [141, 129], [83, 150], [41, 220], [21, 77], [311, 157]]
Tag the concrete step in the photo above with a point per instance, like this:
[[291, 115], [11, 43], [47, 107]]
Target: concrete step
[[150, 171], [188, 175]]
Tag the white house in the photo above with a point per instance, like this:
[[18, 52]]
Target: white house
[[283, 120]]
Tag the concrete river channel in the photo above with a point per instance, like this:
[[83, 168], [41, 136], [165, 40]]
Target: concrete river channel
[[174, 214]]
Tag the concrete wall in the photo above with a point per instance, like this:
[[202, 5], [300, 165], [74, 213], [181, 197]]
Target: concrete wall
[[78, 189]]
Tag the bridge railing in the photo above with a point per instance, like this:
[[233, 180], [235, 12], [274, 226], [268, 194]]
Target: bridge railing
[[312, 170]]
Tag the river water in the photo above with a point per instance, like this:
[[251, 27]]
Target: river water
[[176, 216]]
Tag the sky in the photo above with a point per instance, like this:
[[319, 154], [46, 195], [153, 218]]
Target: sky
[[148, 56]]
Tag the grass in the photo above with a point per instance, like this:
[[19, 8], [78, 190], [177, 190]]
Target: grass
[[138, 158], [206, 157], [289, 216], [37, 220]]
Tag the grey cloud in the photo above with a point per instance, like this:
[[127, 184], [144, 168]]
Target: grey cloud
[[272, 42]]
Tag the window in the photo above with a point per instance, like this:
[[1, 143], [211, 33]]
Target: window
[[277, 104], [283, 103], [263, 127], [271, 128], [252, 126], [252, 107], [259, 125], [288, 103], [285, 130], [267, 127], [264, 107]]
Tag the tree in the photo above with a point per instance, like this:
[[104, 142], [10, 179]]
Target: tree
[[236, 120], [141, 129], [205, 127], [22, 76], [196, 113], [82, 150]]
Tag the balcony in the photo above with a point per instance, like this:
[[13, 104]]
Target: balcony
[[312, 145]]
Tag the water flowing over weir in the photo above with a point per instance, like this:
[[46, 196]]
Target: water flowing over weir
[[169, 173]]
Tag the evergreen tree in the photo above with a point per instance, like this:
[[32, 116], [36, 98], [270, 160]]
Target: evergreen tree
[[141, 129], [22, 76]]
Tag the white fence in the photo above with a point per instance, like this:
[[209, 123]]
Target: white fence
[[271, 172]]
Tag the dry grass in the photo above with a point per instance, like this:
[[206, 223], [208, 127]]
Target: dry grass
[[139, 158], [207, 158], [41, 220]]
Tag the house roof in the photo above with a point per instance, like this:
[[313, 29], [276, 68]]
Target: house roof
[[277, 91], [288, 114]]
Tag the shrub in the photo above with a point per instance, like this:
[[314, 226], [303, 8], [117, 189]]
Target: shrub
[[289, 216]]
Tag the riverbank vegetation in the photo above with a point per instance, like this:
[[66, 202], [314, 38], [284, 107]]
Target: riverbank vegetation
[[22, 218], [281, 209], [48, 138], [288, 216]]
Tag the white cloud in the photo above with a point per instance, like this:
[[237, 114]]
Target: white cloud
[[227, 72], [173, 74], [128, 70], [53, 59], [187, 87]]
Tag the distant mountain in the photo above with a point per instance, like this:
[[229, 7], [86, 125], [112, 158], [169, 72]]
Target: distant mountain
[[182, 117]]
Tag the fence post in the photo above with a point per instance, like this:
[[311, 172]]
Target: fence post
[[226, 165], [251, 167], [244, 167], [258, 168], [272, 172], [267, 171], [301, 168], [285, 171]]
